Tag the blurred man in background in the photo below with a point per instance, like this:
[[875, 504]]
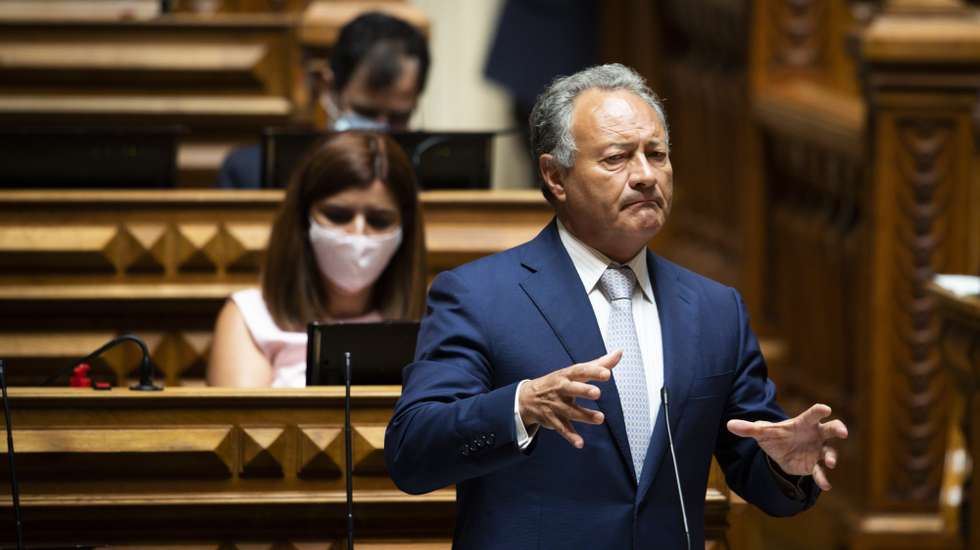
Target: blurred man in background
[[375, 75]]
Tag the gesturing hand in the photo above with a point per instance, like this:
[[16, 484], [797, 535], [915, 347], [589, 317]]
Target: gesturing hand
[[798, 445], [549, 401]]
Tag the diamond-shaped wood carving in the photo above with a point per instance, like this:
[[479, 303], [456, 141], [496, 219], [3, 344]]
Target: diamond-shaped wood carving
[[141, 248], [178, 352], [224, 451], [369, 450], [122, 249], [197, 247], [263, 451], [244, 246], [321, 452]]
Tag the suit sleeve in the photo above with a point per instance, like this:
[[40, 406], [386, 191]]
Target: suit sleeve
[[753, 397], [450, 423]]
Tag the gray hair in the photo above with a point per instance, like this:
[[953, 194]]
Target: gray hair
[[551, 118]]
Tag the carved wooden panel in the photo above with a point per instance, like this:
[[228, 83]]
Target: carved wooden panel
[[75, 454], [77, 268], [193, 465], [713, 227], [866, 154], [271, 442], [799, 31], [815, 237]]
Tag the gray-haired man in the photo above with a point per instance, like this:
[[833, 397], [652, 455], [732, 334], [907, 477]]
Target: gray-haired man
[[577, 332]]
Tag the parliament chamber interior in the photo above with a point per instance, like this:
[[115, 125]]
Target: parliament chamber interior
[[826, 158]]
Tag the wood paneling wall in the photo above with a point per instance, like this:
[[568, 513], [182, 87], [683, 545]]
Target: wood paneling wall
[[826, 164]]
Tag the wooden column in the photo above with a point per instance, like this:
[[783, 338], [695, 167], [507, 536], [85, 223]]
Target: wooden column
[[922, 75]]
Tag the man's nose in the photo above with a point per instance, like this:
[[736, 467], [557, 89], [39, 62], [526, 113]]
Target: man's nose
[[642, 174]]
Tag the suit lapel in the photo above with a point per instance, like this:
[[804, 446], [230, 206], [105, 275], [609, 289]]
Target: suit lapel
[[556, 290], [677, 306]]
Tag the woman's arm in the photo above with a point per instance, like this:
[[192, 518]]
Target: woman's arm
[[235, 359]]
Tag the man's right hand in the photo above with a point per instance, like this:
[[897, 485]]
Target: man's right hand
[[549, 401]]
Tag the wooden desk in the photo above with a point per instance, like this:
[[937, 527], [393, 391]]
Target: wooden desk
[[208, 465], [217, 466]]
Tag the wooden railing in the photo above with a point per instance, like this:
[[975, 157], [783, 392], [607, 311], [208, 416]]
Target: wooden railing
[[220, 467], [77, 268]]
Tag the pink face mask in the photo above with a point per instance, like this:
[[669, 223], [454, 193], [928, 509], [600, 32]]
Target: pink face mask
[[353, 262]]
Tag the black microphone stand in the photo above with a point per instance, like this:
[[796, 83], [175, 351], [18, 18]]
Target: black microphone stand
[[146, 369], [14, 488], [348, 445], [677, 472]]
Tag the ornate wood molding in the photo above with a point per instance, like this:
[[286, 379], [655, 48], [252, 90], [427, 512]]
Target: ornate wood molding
[[801, 39], [922, 206], [221, 465], [161, 263]]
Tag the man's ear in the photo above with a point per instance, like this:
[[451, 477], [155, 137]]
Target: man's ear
[[320, 76], [326, 78], [553, 175]]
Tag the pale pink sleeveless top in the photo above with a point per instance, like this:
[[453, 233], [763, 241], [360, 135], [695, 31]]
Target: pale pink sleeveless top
[[285, 350]]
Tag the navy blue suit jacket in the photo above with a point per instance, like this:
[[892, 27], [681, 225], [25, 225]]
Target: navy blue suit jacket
[[524, 313]]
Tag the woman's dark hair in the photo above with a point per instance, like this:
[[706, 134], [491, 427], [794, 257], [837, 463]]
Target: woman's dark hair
[[291, 279]]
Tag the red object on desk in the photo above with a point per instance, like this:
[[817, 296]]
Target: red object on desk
[[79, 377]]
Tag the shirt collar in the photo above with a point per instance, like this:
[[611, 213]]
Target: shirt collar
[[591, 264]]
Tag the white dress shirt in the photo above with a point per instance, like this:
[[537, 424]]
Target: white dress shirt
[[590, 265]]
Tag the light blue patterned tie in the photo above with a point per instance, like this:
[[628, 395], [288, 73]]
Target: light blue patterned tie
[[617, 283]]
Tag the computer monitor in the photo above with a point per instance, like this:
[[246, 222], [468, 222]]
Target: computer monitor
[[73, 157], [378, 352], [442, 160]]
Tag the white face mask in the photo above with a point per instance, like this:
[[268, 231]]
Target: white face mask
[[352, 262], [349, 120]]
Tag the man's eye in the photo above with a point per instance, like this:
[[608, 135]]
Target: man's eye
[[399, 119], [658, 155], [615, 159], [366, 112]]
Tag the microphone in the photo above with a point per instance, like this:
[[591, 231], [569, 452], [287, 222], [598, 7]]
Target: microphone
[[14, 489], [349, 459], [146, 369], [677, 472]]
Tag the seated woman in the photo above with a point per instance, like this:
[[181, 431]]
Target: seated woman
[[346, 246]]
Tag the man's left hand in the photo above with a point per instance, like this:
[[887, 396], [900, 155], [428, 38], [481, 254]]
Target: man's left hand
[[799, 445]]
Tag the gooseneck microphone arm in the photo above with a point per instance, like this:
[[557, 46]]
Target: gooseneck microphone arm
[[146, 370], [14, 488], [349, 455], [677, 472]]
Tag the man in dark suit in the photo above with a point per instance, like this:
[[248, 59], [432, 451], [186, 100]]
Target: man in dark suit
[[576, 332], [376, 73]]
